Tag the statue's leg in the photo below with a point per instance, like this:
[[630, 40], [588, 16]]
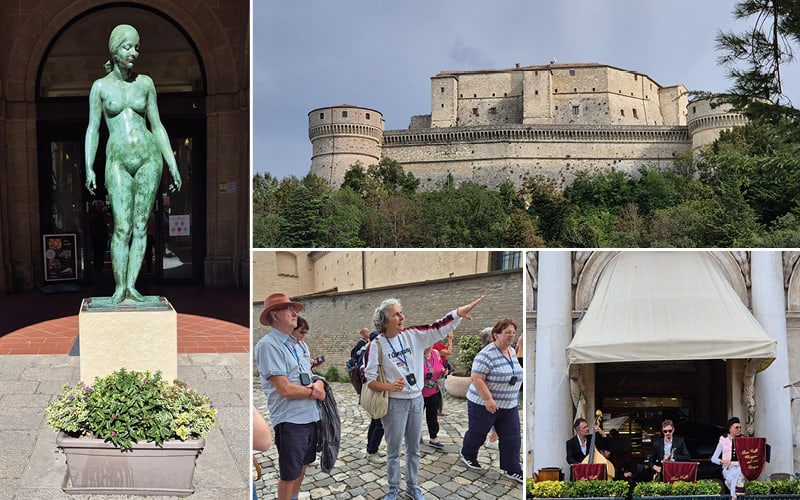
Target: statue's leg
[[145, 186], [119, 185]]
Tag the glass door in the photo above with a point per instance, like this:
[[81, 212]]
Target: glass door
[[182, 226], [176, 230]]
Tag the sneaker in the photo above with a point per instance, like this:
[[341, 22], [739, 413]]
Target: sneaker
[[472, 464], [436, 444], [414, 493], [374, 458], [515, 476], [392, 495]]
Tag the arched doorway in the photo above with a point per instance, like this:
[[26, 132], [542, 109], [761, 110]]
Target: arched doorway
[[72, 62]]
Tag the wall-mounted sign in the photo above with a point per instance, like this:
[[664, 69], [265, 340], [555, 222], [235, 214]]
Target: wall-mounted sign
[[180, 225], [60, 257]]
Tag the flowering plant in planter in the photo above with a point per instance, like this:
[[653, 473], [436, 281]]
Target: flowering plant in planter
[[127, 407]]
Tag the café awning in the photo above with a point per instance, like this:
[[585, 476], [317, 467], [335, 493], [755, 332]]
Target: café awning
[[667, 305]]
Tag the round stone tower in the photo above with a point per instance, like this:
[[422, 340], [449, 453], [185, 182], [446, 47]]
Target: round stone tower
[[705, 123], [341, 136]]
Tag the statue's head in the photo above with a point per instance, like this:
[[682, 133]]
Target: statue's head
[[119, 35]]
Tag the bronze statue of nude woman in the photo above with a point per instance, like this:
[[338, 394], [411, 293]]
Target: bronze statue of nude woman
[[127, 101]]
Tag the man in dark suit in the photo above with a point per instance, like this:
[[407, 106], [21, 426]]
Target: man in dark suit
[[580, 444], [670, 447]]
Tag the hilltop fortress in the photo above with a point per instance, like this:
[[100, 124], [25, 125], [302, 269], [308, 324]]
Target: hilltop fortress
[[514, 124]]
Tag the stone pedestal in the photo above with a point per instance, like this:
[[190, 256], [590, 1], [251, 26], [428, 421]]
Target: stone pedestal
[[134, 336]]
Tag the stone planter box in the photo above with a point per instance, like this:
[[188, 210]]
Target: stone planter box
[[97, 467]]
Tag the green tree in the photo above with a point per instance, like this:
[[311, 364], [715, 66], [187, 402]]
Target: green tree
[[344, 213]]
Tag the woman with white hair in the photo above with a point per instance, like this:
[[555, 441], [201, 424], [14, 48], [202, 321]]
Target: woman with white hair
[[403, 365]]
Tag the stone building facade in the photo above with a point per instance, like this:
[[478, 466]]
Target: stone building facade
[[197, 54], [340, 291], [562, 286], [547, 121]]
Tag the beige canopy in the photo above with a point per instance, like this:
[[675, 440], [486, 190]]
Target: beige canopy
[[667, 305]]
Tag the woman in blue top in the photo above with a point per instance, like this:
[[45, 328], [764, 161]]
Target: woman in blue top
[[493, 400]]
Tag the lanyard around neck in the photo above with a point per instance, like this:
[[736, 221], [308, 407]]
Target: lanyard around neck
[[402, 350], [510, 363], [294, 353]]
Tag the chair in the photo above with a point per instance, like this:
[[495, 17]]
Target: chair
[[679, 471], [589, 472]]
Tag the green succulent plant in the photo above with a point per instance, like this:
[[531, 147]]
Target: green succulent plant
[[128, 407]]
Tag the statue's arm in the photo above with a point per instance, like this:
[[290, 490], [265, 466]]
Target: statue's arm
[[160, 133], [92, 135]]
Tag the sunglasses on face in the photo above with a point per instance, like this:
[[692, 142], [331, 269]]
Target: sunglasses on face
[[667, 431]]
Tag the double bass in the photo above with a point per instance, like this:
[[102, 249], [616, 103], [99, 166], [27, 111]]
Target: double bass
[[595, 456]]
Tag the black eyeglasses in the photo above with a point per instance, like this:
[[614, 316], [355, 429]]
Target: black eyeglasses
[[668, 431]]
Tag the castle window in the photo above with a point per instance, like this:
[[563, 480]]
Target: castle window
[[442, 88], [592, 89], [572, 72], [474, 95], [635, 76], [635, 114], [576, 110], [505, 260], [344, 114], [321, 116], [622, 112], [367, 116], [492, 111], [694, 109], [574, 89], [442, 105], [492, 94], [474, 111], [535, 92]]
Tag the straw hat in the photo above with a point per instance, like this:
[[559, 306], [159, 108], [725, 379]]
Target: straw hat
[[277, 301]]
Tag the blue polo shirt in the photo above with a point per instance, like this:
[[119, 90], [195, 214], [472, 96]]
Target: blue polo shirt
[[280, 354]]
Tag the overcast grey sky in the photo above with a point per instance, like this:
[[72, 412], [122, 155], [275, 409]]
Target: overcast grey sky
[[381, 54]]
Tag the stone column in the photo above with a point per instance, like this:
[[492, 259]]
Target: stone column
[[553, 403], [773, 418]]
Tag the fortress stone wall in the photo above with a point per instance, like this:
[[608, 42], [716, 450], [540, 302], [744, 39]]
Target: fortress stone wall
[[335, 319], [548, 121]]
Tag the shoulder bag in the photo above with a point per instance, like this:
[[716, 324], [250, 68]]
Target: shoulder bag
[[376, 403]]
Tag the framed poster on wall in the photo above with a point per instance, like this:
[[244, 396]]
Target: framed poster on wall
[[60, 257]]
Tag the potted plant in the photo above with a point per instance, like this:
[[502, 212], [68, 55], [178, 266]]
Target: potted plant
[[458, 382], [577, 489], [772, 490], [130, 433], [702, 489]]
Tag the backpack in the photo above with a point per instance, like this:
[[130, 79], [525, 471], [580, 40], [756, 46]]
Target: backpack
[[356, 366]]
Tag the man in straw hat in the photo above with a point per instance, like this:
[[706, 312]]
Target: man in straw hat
[[285, 372]]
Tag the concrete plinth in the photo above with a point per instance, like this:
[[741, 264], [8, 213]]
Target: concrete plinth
[[131, 336]]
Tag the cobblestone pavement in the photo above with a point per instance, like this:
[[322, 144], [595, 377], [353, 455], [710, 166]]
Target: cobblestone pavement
[[442, 475]]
